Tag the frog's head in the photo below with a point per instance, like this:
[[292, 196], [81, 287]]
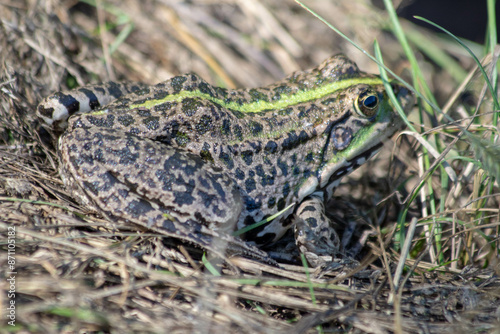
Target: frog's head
[[362, 118]]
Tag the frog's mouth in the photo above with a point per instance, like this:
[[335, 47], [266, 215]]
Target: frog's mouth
[[347, 166], [330, 177]]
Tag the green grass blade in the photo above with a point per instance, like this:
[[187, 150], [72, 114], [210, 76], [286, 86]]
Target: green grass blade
[[493, 40], [480, 66], [209, 266]]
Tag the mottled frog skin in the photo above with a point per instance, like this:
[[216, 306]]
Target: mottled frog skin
[[197, 162]]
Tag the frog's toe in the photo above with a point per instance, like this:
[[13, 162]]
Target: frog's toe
[[339, 266]]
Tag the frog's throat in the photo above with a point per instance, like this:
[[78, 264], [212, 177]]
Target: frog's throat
[[331, 176]]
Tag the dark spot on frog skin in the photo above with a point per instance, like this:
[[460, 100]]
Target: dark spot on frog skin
[[249, 221], [306, 173], [184, 197], [169, 226], [236, 113], [206, 199], [331, 100], [247, 157], [124, 103], [205, 88], [138, 208], [281, 203], [265, 178], [226, 127], [191, 105], [87, 146], [251, 205], [71, 104], [103, 122], [204, 125], [152, 123], [108, 182], [227, 160], [150, 183], [81, 160], [218, 212], [220, 92], [203, 182], [239, 100], [271, 147], [283, 89], [286, 189], [312, 222], [282, 165], [341, 136], [99, 156], [256, 95], [125, 120], [134, 131], [309, 157], [205, 153], [177, 83], [256, 146], [303, 137], [307, 208], [255, 128], [240, 175], [271, 202], [188, 163], [91, 186], [303, 112], [166, 178], [167, 106], [114, 89], [93, 101], [123, 193], [238, 132], [291, 142], [250, 185], [126, 157], [143, 112], [220, 188], [140, 91]]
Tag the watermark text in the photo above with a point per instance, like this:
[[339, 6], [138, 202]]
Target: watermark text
[[11, 275]]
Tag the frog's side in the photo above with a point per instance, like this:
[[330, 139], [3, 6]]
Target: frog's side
[[196, 162]]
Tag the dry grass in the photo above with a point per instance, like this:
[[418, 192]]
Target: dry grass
[[77, 272]]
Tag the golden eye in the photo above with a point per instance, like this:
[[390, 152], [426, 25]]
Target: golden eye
[[366, 104]]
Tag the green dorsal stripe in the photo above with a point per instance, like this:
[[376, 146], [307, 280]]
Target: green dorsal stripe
[[284, 101]]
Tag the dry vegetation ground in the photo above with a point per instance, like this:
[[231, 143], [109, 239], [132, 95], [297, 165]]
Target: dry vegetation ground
[[79, 273]]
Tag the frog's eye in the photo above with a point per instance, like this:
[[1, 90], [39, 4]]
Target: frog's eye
[[366, 104]]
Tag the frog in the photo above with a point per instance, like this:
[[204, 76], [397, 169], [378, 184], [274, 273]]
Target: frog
[[199, 163]]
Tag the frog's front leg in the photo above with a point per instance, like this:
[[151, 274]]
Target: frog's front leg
[[145, 182], [314, 235]]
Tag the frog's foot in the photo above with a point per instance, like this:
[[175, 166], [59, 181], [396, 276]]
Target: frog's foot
[[316, 238], [221, 244], [341, 267]]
